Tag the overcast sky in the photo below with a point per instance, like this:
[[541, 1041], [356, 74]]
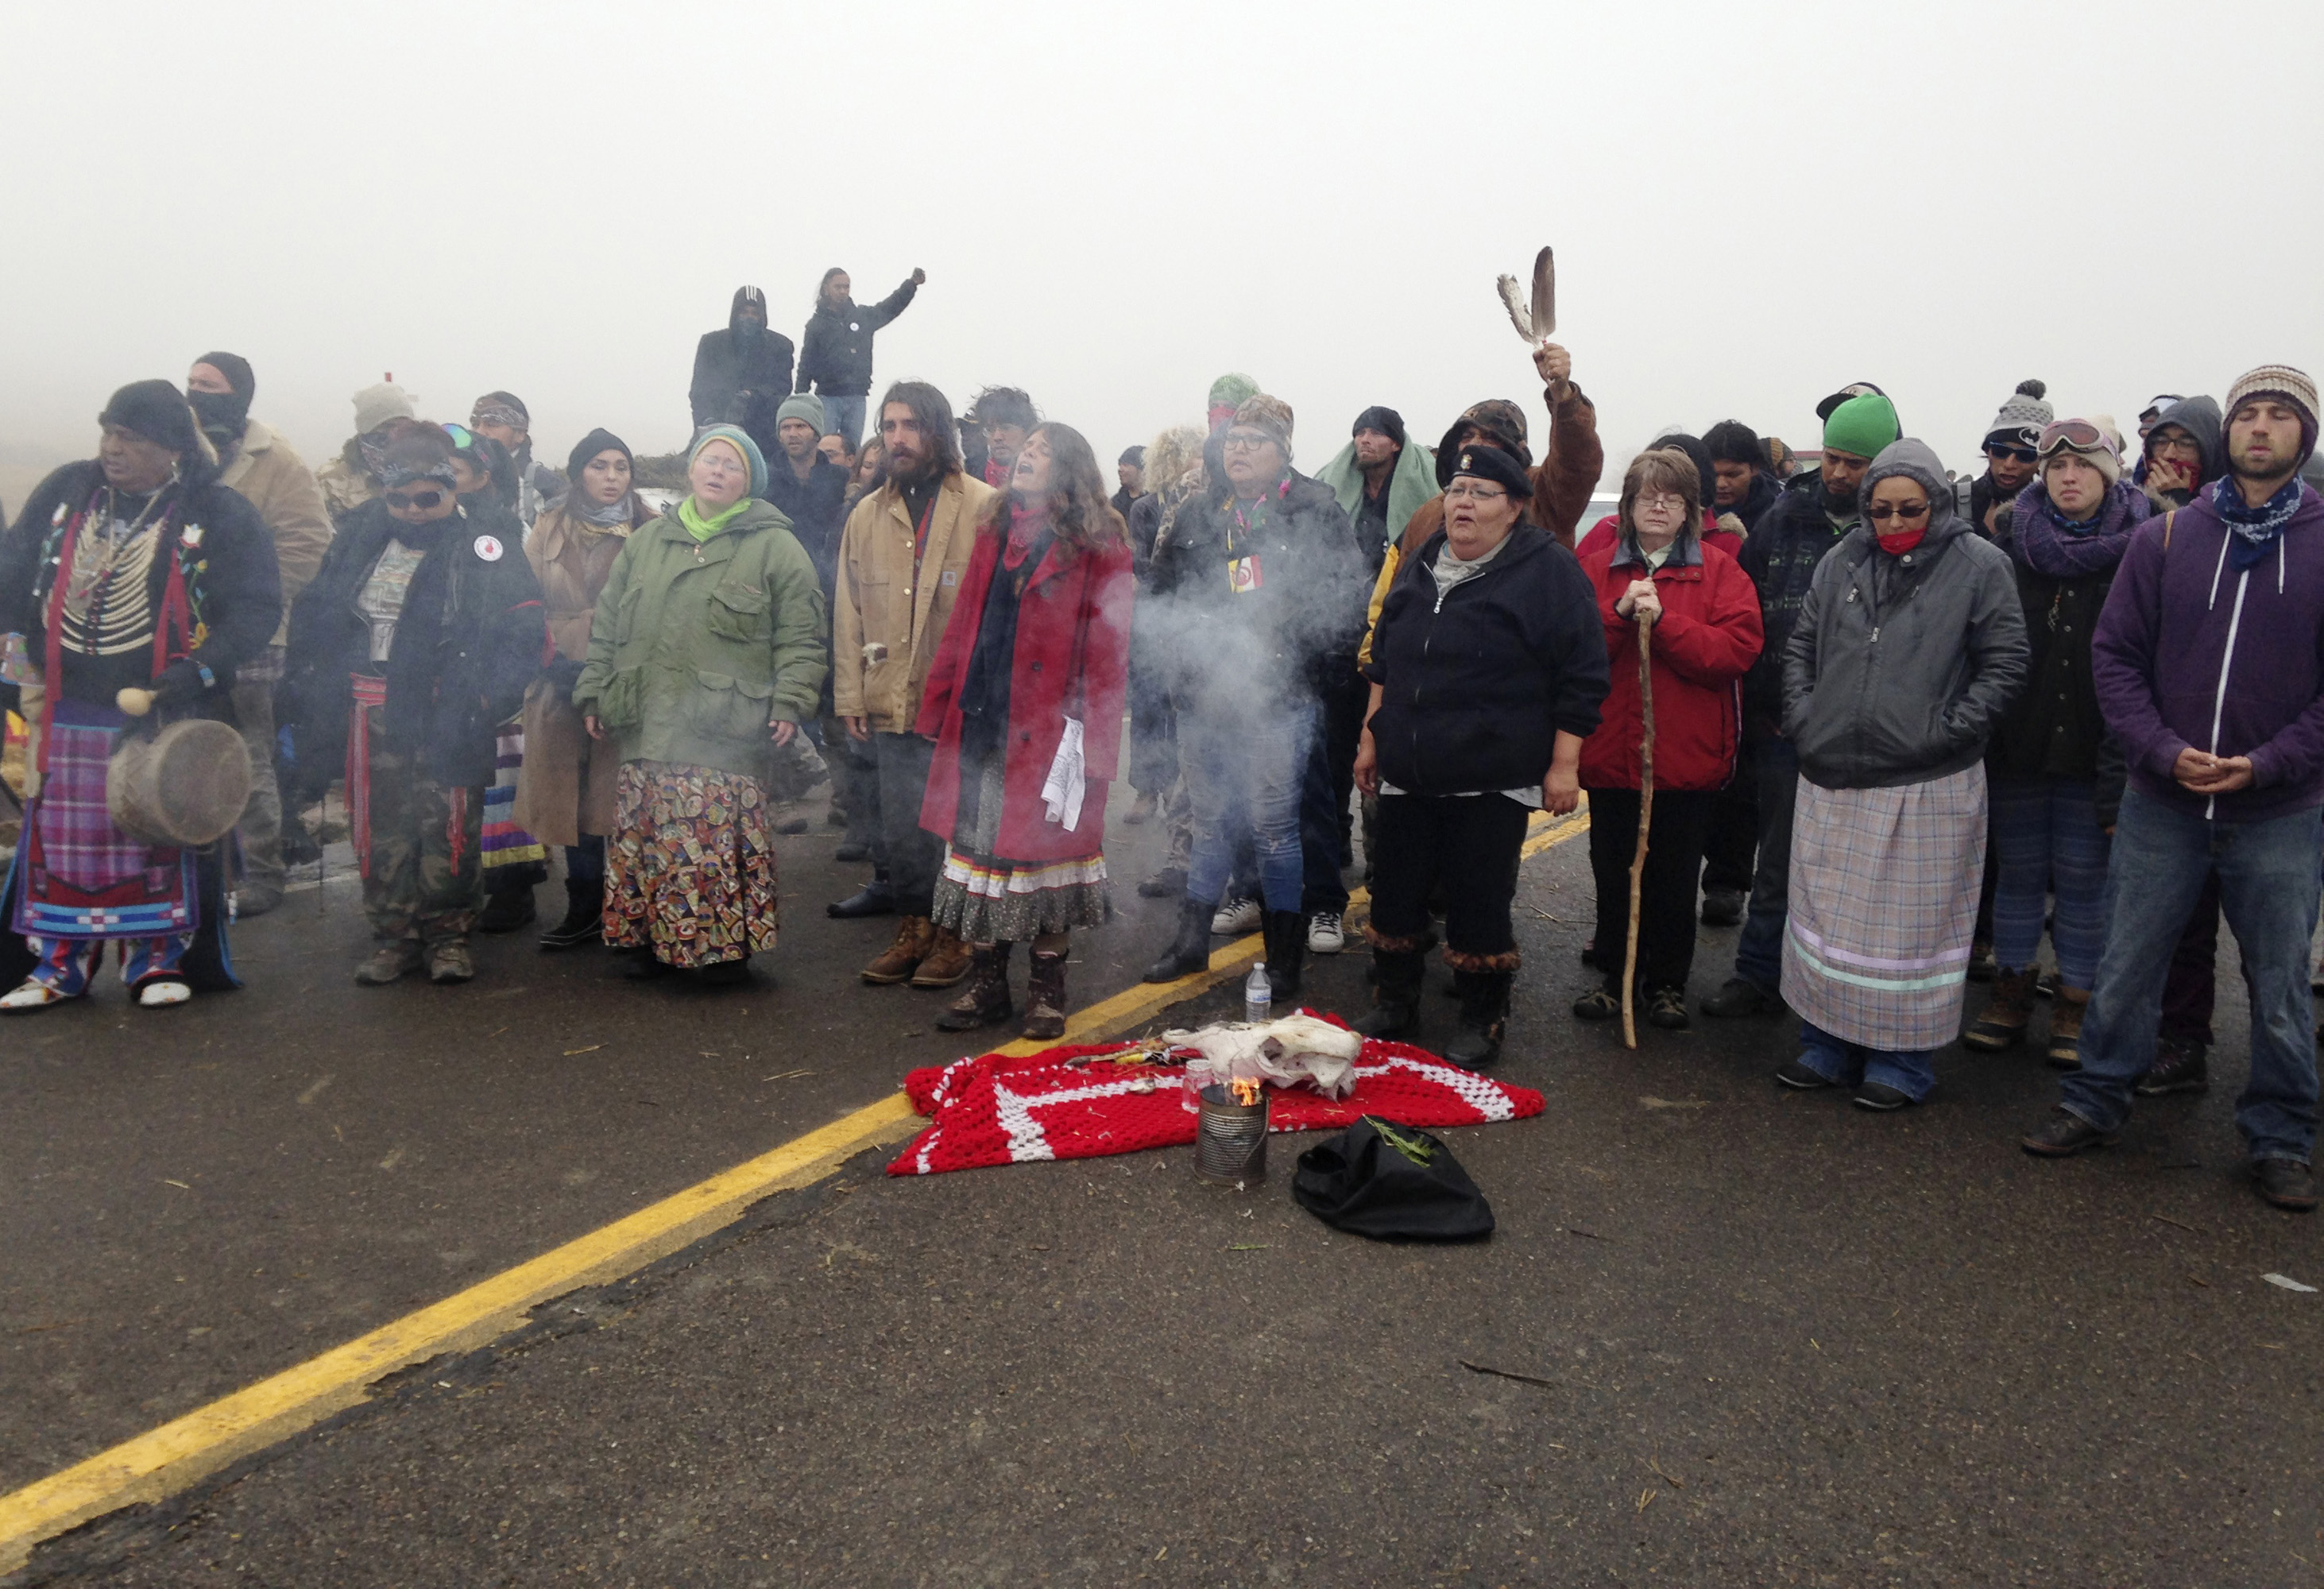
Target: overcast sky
[[1751, 204]]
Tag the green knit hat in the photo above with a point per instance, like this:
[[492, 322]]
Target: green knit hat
[[803, 405], [1233, 391], [1862, 425]]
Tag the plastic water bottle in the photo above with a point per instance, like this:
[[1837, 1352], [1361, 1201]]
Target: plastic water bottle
[[1258, 997]]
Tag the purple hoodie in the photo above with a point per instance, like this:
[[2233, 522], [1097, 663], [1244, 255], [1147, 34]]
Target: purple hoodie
[[2190, 652]]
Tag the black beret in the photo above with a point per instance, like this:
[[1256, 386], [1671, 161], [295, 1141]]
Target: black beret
[[1491, 462]]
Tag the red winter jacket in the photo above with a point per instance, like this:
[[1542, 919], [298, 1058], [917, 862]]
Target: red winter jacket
[[1601, 536], [1703, 643], [1041, 693]]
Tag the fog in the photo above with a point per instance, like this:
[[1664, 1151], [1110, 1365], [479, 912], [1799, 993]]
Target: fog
[[1750, 204]]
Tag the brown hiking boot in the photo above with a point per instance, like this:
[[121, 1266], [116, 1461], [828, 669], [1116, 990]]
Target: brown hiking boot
[[1044, 997], [915, 936], [2066, 1026], [2002, 1025], [947, 961], [986, 1002]]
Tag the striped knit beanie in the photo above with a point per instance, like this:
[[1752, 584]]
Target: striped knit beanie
[[2282, 382]]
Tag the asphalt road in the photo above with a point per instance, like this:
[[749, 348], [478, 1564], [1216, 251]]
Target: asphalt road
[[1783, 1341]]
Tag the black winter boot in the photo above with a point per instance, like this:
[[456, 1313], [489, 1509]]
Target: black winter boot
[[584, 916], [1484, 1017], [1190, 951], [985, 1002], [508, 906], [1395, 995], [1285, 934]]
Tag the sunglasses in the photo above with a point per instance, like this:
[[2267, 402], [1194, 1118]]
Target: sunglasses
[[2023, 455], [422, 500], [1882, 512]]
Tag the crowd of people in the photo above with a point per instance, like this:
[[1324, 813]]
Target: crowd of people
[[1898, 723]]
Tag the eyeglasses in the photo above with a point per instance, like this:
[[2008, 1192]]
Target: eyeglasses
[[1244, 441], [1460, 492], [1668, 500], [2023, 455], [1882, 512], [422, 500]]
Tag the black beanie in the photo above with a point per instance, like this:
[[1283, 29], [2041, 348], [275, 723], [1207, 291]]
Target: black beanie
[[1491, 462], [598, 440], [1386, 421], [236, 371], [156, 410]]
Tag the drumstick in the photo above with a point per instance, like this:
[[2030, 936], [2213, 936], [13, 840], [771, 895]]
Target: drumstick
[[135, 702]]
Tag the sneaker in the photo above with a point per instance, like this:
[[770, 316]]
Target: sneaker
[[2179, 1068], [1741, 997], [2063, 1134], [2286, 1183], [1237, 916], [1596, 1004], [1722, 907], [1881, 1099], [162, 992], [1801, 1077], [448, 963], [1667, 1009], [389, 962], [1325, 935], [32, 993]]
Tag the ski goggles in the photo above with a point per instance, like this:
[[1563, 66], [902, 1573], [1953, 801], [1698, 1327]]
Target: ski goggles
[[2072, 435]]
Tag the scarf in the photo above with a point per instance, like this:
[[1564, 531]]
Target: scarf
[[605, 516], [703, 529], [1026, 525], [1897, 544], [2059, 548], [2256, 529]]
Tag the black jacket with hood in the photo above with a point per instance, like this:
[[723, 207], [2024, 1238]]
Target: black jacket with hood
[[1476, 683], [836, 350], [727, 365], [472, 636], [2200, 417], [1899, 666], [1292, 638], [1791, 538]]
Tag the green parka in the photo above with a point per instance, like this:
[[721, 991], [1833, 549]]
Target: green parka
[[697, 649]]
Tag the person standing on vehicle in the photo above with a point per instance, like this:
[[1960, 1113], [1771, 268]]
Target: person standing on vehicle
[[835, 349]]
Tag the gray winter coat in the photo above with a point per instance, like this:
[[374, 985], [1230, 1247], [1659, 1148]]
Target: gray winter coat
[[1899, 667]]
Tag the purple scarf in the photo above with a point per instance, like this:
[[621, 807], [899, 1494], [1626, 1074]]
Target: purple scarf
[[2059, 549]]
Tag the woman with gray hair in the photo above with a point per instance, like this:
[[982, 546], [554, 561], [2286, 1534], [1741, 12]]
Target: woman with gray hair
[[1909, 647]]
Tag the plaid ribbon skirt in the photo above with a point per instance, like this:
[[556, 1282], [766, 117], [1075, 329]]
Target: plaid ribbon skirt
[[1883, 902], [505, 842], [81, 877]]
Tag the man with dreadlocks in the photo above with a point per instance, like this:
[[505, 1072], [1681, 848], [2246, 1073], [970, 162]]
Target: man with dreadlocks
[[135, 570]]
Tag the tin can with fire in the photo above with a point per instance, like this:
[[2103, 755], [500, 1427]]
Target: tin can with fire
[[1231, 1138]]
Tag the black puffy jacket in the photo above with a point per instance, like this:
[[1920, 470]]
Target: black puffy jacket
[[1477, 683], [836, 349]]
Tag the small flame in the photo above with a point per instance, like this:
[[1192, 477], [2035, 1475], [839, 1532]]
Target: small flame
[[1246, 1091]]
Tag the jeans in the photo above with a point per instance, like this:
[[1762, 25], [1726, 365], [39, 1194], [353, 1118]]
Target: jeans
[[1343, 732], [2046, 838], [1322, 822], [1682, 823], [844, 417], [1850, 1063], [2267, 887], [1760, 950], [1245, 776], [912, 854]]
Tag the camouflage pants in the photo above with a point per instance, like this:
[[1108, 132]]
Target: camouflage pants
[[427, 842]]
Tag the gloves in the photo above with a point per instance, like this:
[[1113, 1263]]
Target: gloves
[[181, 682]]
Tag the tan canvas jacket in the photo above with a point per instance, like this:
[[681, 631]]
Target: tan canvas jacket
[[886, 624]]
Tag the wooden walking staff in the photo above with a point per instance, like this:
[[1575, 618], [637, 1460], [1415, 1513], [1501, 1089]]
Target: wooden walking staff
[[1646, 622]]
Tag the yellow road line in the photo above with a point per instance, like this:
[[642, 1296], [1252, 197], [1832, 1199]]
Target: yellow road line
[[165, 1460]]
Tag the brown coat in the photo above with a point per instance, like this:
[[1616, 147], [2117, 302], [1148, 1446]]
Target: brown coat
[[567, 775], [276, 482], [878, 609]]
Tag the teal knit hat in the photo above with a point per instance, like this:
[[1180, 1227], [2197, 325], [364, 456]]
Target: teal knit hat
[[741, 441], [1862, 425], [803, 405]]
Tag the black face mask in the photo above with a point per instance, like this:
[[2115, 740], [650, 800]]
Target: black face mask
[[748, 330], [221, 413]]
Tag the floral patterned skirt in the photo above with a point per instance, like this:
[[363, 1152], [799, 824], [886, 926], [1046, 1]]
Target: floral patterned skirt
[[986, 899], [690, 867]]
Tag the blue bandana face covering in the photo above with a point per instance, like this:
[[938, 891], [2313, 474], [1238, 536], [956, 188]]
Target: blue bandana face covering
[[2255, 528]]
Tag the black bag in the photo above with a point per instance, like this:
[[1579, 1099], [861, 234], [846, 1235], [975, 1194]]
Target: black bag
[[1391, 1182]]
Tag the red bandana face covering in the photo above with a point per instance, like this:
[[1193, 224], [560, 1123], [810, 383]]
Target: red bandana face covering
[[1902, 542]]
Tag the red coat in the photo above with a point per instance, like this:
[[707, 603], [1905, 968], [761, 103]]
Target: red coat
[[1041, 693], [1706, 640], [1601, 536]]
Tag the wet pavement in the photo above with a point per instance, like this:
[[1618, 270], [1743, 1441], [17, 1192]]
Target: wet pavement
[[1757, 1337]]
